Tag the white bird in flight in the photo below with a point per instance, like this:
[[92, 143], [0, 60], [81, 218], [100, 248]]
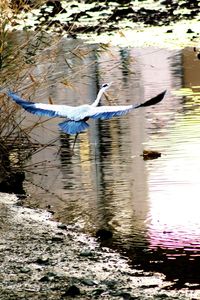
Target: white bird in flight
[[76, 116]]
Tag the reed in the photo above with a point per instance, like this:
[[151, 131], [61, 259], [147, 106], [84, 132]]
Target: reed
[[19, 60]]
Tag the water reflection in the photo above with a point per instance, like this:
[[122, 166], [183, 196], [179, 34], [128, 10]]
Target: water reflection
[[150, 206]]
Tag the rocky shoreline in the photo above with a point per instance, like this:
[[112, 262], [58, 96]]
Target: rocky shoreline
[[43, 259]]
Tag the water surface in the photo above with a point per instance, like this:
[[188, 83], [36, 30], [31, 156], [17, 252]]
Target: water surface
[[152, 207]]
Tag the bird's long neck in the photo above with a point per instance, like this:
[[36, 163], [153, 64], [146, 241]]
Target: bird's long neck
[[98, 98]]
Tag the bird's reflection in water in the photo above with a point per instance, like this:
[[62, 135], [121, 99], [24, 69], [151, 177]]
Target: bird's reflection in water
[[65, 154]]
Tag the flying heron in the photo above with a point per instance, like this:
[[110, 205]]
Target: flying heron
[[76, 117]]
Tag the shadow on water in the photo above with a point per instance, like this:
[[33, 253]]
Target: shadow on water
[[147, 209]]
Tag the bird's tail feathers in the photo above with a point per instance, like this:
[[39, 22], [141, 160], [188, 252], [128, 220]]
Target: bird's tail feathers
[[73, 127], [151, 101]]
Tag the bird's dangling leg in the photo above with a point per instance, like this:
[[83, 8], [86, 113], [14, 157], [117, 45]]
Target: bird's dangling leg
[[74, 142]]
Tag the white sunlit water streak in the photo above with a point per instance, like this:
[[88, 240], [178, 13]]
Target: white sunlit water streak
[[173, 218]]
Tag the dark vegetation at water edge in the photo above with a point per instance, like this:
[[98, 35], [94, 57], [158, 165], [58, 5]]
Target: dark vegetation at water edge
[[16, 145], [76, 17], [20, 56]]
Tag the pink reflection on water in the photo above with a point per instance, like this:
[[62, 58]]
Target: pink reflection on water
[[174, 205], [175, 224]]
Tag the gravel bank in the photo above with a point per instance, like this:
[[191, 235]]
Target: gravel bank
[[43, 259]]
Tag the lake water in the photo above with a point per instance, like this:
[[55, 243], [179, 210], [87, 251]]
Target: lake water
[[152, 207]]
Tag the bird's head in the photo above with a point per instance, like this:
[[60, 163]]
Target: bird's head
[[102, 90], [106, 86]]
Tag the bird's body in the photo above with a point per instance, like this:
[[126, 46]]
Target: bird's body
[[76, 116]]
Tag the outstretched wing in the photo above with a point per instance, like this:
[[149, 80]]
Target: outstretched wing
[[107, 112], [152, 101], [41, 109]]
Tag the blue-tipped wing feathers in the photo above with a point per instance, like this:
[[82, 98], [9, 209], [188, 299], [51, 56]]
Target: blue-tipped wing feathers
[[76, 116], [42, 109], [25, 104]]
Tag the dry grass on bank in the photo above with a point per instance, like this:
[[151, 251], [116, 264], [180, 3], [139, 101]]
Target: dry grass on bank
[[17, 62]]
